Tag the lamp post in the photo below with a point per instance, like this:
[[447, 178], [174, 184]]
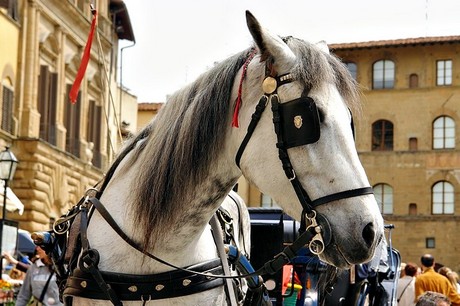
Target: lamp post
[[8, 164]]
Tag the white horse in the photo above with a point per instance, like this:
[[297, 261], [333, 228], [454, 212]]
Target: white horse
[[174, 175]]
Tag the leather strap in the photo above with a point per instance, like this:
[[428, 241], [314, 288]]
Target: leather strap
[[260, 107], [129, 287], [342, 195]]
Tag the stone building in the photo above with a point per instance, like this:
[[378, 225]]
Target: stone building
[[407, 138], [146, 112], [62, 148]]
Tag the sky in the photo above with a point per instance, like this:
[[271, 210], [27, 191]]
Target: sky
[[176, 40]]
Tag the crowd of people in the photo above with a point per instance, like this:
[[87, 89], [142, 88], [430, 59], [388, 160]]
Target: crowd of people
[[424, 286]]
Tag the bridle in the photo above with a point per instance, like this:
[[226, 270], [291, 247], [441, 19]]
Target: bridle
[[296, 123]]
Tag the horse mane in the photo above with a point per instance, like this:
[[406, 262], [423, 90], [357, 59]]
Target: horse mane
[[176, 150], [180, 146], [315, 67]]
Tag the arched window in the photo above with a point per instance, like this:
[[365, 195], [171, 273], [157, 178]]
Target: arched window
[[413, 144], [383, 74], [413, 80], [353, 68], [444, 133], [384, 196], [412, 209], [382, 135], [442, 195]]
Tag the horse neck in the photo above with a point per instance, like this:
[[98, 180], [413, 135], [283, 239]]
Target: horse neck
[[186, 243]]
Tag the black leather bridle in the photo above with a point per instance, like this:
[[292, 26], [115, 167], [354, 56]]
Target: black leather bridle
[[296, 123]]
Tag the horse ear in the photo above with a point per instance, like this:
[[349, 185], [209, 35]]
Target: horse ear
[[270, 45], [323, 46]]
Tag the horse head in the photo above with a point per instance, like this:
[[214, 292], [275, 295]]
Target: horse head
[[312, 97]]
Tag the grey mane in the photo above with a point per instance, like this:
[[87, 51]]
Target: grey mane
[[315, 67], [180, 144]]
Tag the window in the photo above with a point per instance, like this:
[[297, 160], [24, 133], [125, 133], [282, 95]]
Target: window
[[47, 101], [7, 109], [413, 81], [72, 124], [412, 209], [442, 194], [267, 201], [413, 144], [444, 133], [94, 131], [382, 135], [384, 196], [12, 8], [430, 243], [353, 69], [383, 74], [444, 72]]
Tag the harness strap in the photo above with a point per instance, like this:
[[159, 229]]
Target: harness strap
[[260, 107], [130, 287], [342, 195], [218, 240], [269, 267], [90, 259]]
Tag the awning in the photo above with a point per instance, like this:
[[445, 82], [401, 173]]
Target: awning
[[12, 201]]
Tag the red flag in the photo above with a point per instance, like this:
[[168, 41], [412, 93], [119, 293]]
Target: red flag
[[84, 61]]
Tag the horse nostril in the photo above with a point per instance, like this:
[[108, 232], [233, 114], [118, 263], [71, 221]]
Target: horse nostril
[[369, 234]]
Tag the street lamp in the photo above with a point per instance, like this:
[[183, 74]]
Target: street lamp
[[8, 164]]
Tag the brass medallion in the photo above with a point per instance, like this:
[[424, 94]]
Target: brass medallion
[[132, 288], [269, 85], [298, 121]]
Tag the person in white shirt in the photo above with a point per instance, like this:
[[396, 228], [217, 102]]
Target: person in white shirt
[[405, 292]]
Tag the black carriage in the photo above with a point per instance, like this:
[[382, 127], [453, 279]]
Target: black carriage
[[272, 230]]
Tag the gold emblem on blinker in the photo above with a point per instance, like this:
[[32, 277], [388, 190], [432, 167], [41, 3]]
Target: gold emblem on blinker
[[269, 85], [298, 121]]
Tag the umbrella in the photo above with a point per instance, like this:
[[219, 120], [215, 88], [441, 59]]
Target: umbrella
[[25, 243]]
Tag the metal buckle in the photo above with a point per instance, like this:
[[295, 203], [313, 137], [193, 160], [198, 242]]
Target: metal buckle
[[316, 244]]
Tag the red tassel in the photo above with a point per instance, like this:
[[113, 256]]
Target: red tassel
[[239, 99], [84, 61]]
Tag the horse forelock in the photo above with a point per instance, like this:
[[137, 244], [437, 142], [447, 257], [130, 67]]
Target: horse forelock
[[178, 153], [315, 67]]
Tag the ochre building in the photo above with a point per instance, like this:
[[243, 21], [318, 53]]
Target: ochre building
[[62, 148], [408, 139]]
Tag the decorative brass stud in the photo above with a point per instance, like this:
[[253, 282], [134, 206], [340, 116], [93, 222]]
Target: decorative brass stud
[[159, 287], [84, 284], [186, 282], [298, 121], [269, 85], [132, 288]]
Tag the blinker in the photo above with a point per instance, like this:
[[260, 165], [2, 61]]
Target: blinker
[[300, 123]]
